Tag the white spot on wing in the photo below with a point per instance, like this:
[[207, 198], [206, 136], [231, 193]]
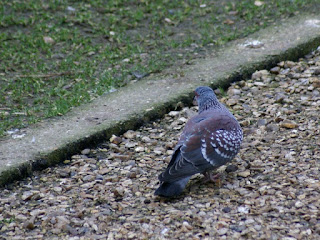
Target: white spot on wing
[[213, 144], [204, 149]]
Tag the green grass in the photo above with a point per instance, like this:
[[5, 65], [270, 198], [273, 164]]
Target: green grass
[[7, 220], [97, 45]]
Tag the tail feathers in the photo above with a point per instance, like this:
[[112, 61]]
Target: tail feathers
[[172, 189]]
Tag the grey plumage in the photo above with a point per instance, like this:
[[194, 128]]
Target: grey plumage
[[209, 140]]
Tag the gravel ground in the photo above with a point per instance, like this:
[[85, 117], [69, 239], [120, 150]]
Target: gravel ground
[[270, 190]]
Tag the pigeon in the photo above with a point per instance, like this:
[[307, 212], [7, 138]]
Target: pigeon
[[209, 140]]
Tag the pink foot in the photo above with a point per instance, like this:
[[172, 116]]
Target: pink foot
[[210, 177]]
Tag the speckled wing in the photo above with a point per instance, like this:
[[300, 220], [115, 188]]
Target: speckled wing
[[209, 140]]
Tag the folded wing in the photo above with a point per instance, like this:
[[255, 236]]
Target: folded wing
[[209, 141]]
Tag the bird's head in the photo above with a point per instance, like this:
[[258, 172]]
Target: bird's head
[[202, 93], [204, 97]]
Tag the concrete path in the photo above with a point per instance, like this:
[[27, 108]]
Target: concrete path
[[54, 140]]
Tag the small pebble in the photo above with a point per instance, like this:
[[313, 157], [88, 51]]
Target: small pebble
[[231, 168], [85, 151]]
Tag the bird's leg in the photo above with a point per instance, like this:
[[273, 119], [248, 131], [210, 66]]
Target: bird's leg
[[210, 177]]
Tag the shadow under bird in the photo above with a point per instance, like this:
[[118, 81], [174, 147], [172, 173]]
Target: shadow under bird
[[209, 140]]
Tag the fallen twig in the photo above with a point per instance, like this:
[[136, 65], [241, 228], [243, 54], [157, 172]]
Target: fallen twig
[[49, 75]]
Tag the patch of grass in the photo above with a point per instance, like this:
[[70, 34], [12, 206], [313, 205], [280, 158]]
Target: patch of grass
[[222, 92], [56, 55], [7, 220]]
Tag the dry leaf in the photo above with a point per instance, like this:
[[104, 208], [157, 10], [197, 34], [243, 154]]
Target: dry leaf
[[168, 20], [233, 12], [258, 3], [228, 21], [48, 40]]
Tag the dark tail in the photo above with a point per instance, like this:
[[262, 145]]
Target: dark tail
[[172, 189]]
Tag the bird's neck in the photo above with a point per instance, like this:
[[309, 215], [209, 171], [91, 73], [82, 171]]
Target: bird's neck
[[209, 104]]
